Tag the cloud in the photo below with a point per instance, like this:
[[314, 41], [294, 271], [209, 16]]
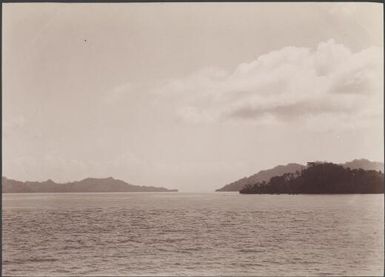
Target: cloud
[[293, 83]]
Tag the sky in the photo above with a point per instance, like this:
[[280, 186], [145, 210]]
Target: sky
[[190, 96]]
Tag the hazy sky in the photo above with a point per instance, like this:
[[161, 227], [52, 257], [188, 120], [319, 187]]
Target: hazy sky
[[188, 95]]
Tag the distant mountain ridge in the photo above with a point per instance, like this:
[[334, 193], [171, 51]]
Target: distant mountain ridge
[[266, 175], [364, 164], [86, 185]]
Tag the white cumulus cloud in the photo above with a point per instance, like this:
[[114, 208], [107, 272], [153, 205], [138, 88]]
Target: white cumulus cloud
[[290, 84]]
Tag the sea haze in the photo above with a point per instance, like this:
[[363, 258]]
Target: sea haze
[[192, 234]]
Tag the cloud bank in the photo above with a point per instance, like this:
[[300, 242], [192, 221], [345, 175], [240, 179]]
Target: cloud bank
[[329, 82]]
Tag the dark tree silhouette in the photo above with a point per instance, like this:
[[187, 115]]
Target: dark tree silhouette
[[322, 178]]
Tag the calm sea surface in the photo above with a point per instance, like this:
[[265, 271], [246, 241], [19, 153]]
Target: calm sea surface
[[192, 234]]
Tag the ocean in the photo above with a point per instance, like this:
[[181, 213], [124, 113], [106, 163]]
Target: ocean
[[205, 234]]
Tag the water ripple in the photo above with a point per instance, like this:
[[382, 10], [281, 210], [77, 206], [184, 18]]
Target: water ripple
[[184, 235]]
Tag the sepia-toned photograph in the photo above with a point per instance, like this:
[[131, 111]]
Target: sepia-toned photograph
[[192, 139]]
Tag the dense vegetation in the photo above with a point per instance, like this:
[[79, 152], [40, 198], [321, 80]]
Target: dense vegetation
[[322, 178], [266, 175]]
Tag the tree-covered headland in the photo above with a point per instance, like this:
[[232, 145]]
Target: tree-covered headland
[[322, 178]]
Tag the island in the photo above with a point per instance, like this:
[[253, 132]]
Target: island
[[267, 174], [86, 185], [321, 178]]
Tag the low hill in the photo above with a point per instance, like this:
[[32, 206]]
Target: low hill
[[85, 185], [263, 175]]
